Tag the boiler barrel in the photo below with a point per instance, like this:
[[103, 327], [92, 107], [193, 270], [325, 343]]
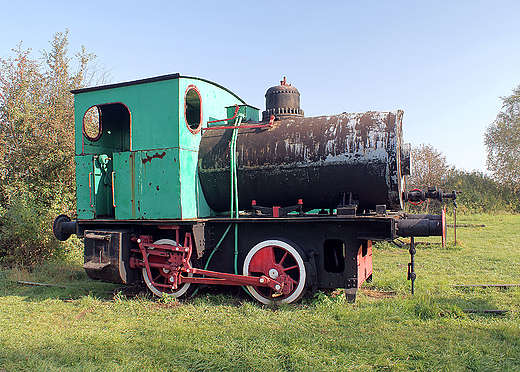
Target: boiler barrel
[[315, 159]]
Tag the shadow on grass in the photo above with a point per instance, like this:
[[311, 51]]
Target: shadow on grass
[[50, 281], [70, 282]]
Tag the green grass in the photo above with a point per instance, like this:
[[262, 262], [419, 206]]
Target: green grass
[[84, 328]]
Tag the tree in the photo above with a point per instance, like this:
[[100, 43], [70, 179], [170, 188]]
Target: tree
[[478, 193], [428, 168], [502, 140], [37, 145]]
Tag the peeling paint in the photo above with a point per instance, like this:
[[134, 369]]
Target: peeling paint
[[155, 156], [317, 157]]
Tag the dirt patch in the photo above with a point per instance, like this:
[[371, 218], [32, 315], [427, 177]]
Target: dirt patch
[[377, 294]]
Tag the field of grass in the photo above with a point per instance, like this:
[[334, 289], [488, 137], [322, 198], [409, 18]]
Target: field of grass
[[83, 327]]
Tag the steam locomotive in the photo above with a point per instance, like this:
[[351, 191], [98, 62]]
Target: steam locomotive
[[180, 183]]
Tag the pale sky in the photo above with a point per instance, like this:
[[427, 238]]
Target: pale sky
[[445, 63]]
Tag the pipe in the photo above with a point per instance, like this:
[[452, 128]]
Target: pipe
[[232, 118], [419, 227]]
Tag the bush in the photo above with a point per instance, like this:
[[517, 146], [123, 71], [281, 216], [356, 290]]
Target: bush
[[37, 147], [26, 231], [481, 194], [478, 193]]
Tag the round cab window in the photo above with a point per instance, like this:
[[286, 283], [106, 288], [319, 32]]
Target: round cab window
[[92, 123], [193, 109]]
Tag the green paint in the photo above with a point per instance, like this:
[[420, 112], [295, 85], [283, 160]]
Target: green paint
[[146, 148], [94, 186], [85, 196], [159, 184], [126, 186], [247, 112]]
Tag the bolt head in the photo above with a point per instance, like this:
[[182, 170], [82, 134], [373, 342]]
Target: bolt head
[[262, 280], [277, 287]]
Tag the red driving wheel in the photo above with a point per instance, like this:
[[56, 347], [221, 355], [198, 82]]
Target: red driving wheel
[[279, 261]]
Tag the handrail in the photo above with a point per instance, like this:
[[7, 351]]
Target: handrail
[[113, 194], [247, 126], [233, 118], [90, 188]]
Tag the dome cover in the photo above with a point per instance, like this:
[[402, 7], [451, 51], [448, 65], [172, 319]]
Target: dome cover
[[282, 101]]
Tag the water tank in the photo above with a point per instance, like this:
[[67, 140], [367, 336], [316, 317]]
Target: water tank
[[316, 159]]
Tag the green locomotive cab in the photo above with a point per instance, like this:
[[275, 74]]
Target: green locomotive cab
[[137, 147]]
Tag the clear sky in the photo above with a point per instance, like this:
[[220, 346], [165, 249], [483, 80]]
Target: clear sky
[[445, 63]]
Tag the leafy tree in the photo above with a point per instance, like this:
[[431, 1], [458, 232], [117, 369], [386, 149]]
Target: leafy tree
[[429, 168], [502, 139], [37, 145]]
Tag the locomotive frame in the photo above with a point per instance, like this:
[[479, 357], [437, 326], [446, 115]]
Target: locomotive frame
[[151, 209]]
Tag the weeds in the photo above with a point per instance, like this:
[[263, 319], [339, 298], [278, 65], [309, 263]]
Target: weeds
[[386, 328]]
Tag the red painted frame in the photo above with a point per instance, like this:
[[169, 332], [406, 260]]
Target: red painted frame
[[100, 119], [193, 87]]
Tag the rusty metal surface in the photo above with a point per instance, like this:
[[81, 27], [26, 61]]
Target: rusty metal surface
[[314, 159], [283, 101]]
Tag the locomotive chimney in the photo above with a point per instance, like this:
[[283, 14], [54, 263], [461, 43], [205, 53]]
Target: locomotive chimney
[[282, 101]]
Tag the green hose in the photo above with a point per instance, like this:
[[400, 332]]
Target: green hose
[[234, 211], [211, 255], [216, 247]]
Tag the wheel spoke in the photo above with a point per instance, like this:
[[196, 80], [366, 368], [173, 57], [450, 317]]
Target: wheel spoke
[[160, 284], [270, 256], [285, 269], [283, 258], [157, 277]]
